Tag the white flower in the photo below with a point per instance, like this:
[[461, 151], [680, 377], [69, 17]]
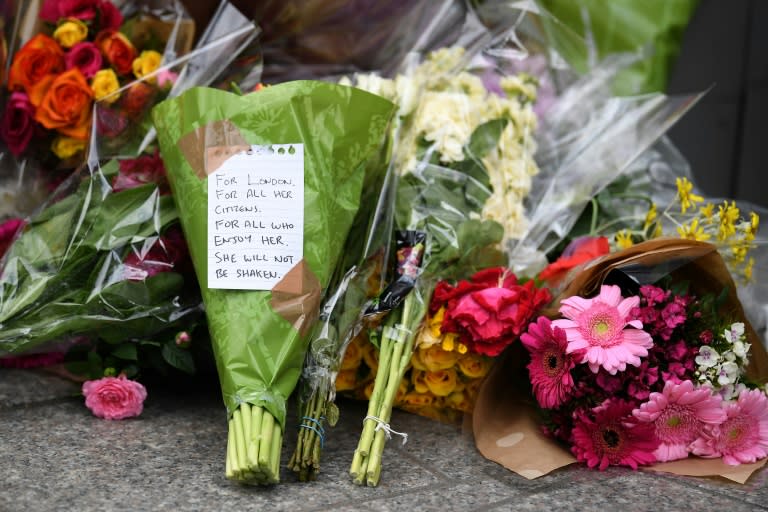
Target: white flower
[[735, 333], [741, 349], [708, 357], [729, 356], [727, 373]]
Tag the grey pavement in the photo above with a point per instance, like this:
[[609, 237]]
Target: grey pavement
[[55, 456]]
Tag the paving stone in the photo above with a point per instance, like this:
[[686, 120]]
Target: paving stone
[[24, 387]]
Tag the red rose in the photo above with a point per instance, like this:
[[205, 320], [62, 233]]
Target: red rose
[[110, 16], [135, 99], [578, 252], [54, 10], [169, 253], [117, 49], [18, 123], [491, 310], [140, 171]]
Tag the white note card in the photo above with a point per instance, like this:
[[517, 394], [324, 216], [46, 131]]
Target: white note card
[[256, 217]]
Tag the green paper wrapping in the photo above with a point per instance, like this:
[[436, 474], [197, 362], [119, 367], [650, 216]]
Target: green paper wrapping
[[260, 337]]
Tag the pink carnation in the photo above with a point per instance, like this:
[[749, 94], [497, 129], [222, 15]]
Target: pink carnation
[[679, 414], [598, 327], [114, 398], [54, 10], [743, 437]]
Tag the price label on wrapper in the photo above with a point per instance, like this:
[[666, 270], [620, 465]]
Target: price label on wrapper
[[255, 216]]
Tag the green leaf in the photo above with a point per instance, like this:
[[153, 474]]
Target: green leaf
[[95, 365], [178, 358], [126, 351]]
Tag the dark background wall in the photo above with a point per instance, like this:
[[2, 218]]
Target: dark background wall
[[725, 136]]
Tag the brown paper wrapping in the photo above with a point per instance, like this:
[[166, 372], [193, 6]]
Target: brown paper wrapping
[[505, 420], [297, 297], [219, 134]]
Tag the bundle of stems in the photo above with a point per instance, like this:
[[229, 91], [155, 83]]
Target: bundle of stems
[[395, 352], [253, 446]]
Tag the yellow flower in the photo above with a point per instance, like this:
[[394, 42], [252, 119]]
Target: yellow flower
[[436, 321], [70, 32], [707, 211], [754, 223], [463, 349], [739, 252], [66, 147], [419, 399], [354, 354], [147, 62], [441, 382], [103, 84], [624, 239], [474, 366], [650, 216], [346, 380], [687, 199], [728, 214], [693, 231], [449, 342], [460, 401], [435, 358], [417, 378], [748, 269], [371, 356], [402, 390]]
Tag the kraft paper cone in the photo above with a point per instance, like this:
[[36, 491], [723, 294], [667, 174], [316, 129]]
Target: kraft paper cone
[[506, 420]]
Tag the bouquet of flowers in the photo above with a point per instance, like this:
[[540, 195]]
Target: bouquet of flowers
[[260, 320], [648, 358], [87, 53]]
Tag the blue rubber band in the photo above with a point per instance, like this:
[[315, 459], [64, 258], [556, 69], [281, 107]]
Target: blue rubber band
[[316, 431]]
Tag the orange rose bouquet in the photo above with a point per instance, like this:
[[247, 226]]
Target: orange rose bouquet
[[87, 52]]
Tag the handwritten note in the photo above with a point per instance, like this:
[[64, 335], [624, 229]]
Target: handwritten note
[[256, 217]]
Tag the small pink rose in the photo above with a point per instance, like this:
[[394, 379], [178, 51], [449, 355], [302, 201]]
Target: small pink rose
[[18, 123], [166, 77], [86, 57], [114, 398]]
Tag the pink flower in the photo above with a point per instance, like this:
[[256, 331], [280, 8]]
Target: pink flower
[[550, 367], [109, 123], [743, 437], [678, 414], [598, 326], [18, 123], [86, 57], [54, 10], [608, 435], [8, 230], [114, 398], [166, 77]]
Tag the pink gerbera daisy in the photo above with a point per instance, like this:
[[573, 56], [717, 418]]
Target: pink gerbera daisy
[[550, 367], [743, 437], [678, 414], [609, 435], [597, 326]]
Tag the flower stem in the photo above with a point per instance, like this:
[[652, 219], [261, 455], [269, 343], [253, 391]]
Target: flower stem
[[253, 446]]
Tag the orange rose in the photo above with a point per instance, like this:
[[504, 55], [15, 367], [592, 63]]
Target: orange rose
[[346, 380], [441, 382], [41, 56], [64, 103], [117, 49]]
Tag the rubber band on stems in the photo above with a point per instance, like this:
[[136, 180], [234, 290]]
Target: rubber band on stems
[[388, 431], [319, 430]]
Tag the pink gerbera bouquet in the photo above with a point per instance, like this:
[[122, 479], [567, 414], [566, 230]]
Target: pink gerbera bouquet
[[651, 377]]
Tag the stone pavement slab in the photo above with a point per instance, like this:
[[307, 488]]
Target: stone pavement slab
[[56, 456]]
